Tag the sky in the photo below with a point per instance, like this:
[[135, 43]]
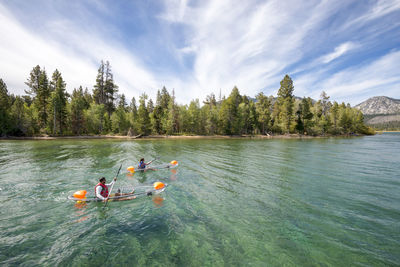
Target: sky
[[348, 48]]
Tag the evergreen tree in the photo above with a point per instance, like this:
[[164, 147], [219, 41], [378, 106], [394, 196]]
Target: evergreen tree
[[77, 111], [143, 116], [335, 117], [58, 103], [229, 113], [110, 89], [210, 109], [344, 119], [39, 88], [285, 103], [304, 116], [5, 104], [119, 121], [95, 118], [263, 108], [18, 117], [105, 89], [132, 117], [170, 121], [99, 95], [150, 106], [193, 113], [157, 115]]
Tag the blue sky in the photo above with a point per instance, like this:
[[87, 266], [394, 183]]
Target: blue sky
[[350, 49]]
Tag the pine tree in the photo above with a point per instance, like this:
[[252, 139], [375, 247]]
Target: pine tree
[[263, 107], [210, 109], [143, 116], [193, 112], [58, 103], [304, 116], [170, 122], [98, 91], [335, 117], [105, 89], [5, 103], [39, 88], [285, 103], [18, 117], [77, 111], [110, 89], [95, 118]]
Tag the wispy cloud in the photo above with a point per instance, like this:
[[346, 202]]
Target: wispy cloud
[[247, 44], [71, 49], [339, 51], [200, 47], [355, 84]]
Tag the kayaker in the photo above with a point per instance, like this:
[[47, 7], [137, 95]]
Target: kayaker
[[142, 164], [101, 189]]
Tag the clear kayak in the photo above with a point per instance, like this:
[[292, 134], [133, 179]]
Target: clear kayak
[[170, 165], [121, 196]]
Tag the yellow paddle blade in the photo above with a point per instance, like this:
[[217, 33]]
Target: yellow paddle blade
[[131, 169], [158, 185], [81, 194], [174, 162]]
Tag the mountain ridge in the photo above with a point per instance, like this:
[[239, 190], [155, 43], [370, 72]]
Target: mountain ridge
[[381, 112], [381, 105]]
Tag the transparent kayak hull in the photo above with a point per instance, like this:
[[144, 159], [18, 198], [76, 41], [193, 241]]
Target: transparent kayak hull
[[142, 191]]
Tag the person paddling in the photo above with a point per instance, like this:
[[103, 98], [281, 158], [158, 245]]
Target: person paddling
[[101, 189], [142, 164]]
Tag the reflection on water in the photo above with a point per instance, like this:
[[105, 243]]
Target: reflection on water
[[231, 202], [158, 200]]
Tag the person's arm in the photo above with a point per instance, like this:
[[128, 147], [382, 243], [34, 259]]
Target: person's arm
[[112, 182], [98, 193]]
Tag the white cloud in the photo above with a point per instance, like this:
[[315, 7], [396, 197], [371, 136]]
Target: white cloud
[[73, 51], [247, 44], [339, 51], [251, 44], [355, 84]]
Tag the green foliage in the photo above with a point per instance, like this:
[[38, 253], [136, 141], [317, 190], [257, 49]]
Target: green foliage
[[57, 104], [77, 108], [48, 109], [40, 90], [95, 118], [105, 89], [5, 103], [120, 122], [143, 116], [284, 105], [263, 109]]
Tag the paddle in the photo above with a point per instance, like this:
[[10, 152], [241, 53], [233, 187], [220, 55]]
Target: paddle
[[112, 187], [152, 160]]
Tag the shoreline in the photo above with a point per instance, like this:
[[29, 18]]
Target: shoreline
[[153, 137]]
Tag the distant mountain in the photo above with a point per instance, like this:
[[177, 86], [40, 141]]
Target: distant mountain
[[379, 105], [381, 112]]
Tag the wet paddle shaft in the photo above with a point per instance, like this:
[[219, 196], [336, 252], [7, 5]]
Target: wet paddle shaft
[[112, 186]]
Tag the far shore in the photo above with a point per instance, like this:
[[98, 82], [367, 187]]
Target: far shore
[[152, 137]]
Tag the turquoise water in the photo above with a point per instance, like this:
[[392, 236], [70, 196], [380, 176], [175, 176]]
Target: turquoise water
[[236, 202]]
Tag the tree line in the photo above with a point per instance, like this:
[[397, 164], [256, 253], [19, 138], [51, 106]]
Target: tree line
[[48, 109]]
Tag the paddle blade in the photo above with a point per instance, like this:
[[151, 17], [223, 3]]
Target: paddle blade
[[131, 169], [174, 162], [81, 194], [158, 185]]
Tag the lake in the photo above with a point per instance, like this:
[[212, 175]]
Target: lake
[[231, 202]]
